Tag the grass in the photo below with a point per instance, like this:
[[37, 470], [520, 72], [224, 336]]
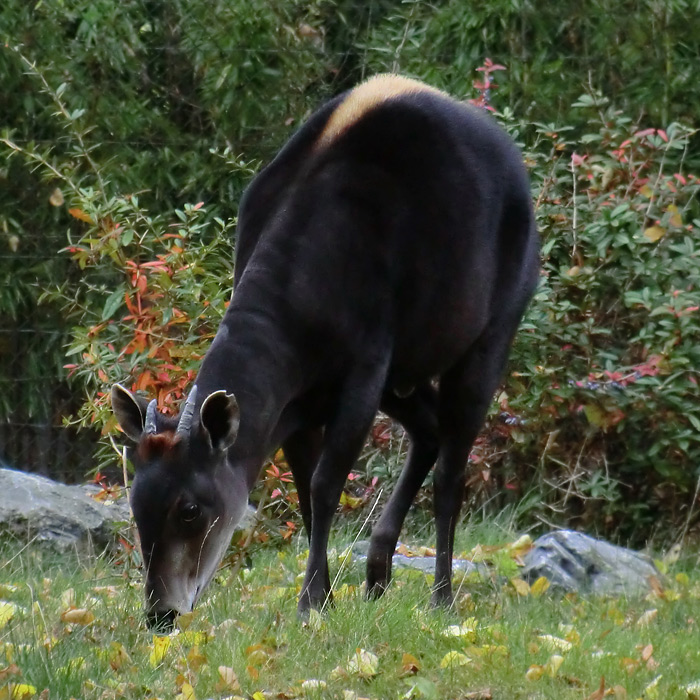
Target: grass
[[74, 628]]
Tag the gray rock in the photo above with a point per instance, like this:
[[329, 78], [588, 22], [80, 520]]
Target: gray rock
[[424, 564], [574, 562], [35, 508]]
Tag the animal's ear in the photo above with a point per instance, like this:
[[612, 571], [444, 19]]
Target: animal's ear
[[130, 411], [220, 418]]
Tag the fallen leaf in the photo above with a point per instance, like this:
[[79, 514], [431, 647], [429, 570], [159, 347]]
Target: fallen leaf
[[195, 658], [186, 692], [160, 647], [522, 588], [554, 643], [535, 672], [600, 693], [454, 658], [539, 586], [313, 684], [11, 670], [553, 664], [7, 612], [363, 664], [646, 618], [118, 656], [647, 651], [409, 665], [77, 616], [228, 680]]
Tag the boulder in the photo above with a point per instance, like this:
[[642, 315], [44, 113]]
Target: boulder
[[34, 508], [574, 562]]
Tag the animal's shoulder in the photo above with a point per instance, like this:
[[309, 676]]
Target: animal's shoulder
[[365, 97]]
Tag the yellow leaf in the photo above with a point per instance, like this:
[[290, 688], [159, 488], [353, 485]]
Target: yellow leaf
[[467, 630], [258, 695], [539, 586], [77, 616], [313, 684], [228, 680], [553, 664], [683, 579], [554, 643], [454, 658], [56, 198], [118, 656], [535, 672], [193, 637], [522, 588], [7, 612], [186, 692], [8, 589], [22, 691], [646, 191], [654, 233], [652, 690], [647, 617], [363, 664], [195, 658], [574, 271], [68, 598], [676, 219], [185, 620], [160, 647]]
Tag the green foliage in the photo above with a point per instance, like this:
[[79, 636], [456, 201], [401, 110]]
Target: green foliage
[[606, 380]]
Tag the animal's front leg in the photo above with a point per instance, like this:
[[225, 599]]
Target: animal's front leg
[[345, 433]]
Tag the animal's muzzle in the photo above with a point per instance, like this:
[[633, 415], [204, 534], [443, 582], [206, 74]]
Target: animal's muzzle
[[161, 621]]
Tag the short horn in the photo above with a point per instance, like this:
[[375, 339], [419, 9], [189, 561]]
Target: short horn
[[185, 424], [150, 425]]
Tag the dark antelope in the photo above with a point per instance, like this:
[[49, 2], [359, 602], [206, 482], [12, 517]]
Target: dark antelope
[[384, 261]]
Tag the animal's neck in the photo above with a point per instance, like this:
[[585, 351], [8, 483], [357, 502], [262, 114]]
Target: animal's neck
[[248, 360]]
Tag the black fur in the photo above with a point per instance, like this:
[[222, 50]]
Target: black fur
[[390, 270]]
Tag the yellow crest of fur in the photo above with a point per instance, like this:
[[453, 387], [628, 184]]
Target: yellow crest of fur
[[366, 96]]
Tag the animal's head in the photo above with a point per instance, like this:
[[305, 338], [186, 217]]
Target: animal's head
[[185, 496]]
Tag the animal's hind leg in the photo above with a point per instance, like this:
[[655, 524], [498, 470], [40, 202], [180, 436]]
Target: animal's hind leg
[[465, 393], [418, 415]]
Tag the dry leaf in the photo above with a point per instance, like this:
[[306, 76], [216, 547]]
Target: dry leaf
[[409, 665], [160, 647], [600, 693], [539, 586], [80, 215], [7, 612], [522, 588], [454, 658], [646, 618], [77, 616], [228, 680], [363, 664], [554, 643], [535, 672], [56, 198]]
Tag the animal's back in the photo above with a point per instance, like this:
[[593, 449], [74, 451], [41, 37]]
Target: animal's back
[[396, 209]]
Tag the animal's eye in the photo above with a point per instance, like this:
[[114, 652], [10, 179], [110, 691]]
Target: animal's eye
[[189, 513]]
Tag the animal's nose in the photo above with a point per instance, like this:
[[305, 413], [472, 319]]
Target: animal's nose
[[161, 621]]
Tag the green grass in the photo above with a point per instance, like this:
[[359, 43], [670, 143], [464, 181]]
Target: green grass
[[247, 623]]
